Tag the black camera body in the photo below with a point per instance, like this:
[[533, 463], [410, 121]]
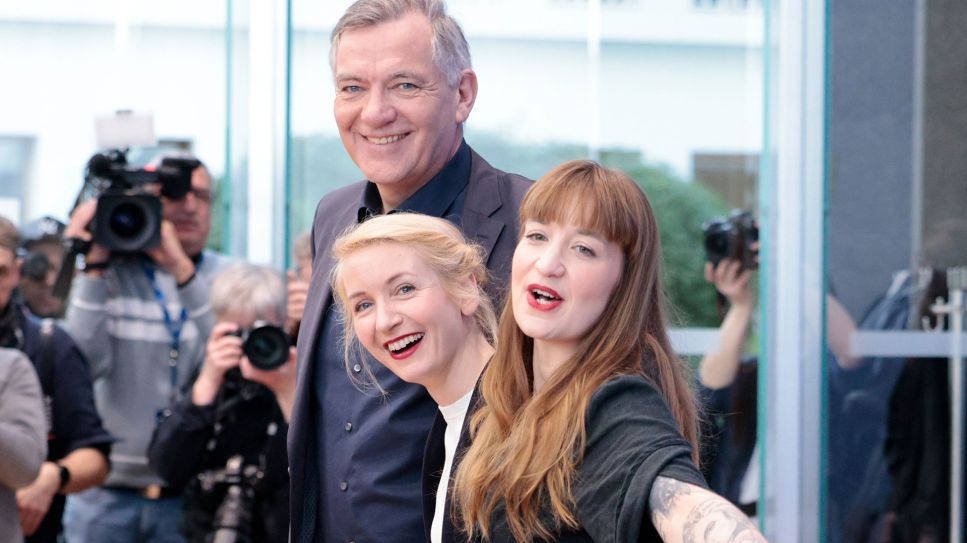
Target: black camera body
[[232, 522], [732, 237], [35, 266], [265, 345], [128, 217]]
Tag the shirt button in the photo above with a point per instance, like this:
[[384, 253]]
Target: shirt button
[[349, 427], [357, 368], [343, 486]]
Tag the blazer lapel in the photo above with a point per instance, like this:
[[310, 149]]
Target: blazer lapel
[[317, 303], [482, 202], [433, 457]]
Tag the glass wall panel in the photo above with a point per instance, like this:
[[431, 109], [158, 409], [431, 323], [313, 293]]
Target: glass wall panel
[[65, 63], [234, 195], [897, 246]]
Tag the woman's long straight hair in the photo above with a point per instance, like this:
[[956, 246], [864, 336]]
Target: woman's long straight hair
[[526, 447]]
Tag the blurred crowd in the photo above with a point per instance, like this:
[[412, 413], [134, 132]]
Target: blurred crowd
[[151, 387]]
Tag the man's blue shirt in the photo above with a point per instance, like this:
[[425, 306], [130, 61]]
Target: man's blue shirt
[[368, 449]]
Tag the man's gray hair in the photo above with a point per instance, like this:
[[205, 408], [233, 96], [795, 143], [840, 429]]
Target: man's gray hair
[[450, 50], [249, 289]]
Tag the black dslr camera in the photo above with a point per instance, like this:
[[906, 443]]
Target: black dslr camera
[[732, 237], [128, 217], [265, 345]]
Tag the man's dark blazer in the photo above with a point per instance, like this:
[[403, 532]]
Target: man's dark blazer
[[489, 218]]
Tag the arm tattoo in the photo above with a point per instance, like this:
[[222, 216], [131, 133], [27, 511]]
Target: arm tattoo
[[665, 495], [715, 519], [701, 516]]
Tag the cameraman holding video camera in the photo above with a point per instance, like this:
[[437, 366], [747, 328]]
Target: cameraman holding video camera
[[140, 315], [225, 441]]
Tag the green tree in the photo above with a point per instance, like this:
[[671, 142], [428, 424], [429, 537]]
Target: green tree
[[681, 208]]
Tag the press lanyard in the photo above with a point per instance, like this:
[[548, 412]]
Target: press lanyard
[[174, 329]]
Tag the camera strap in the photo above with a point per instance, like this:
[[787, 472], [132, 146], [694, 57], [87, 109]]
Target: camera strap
[[174, 329]]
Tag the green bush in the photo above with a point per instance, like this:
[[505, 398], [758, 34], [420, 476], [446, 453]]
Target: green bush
[[680, 209]]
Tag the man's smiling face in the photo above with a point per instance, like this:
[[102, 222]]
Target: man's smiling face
[[398, 117]]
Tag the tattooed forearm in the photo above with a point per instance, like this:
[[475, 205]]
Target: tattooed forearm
[[665, 494], [684, 512], [715, 519]]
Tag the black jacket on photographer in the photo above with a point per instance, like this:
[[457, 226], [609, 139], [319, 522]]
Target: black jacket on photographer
[[192, 440], [73, 421]]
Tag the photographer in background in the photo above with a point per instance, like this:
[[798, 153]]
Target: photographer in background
[[142, 320], [77, 444], [229, 429], [729, 390], [42, 241], [728, 376]]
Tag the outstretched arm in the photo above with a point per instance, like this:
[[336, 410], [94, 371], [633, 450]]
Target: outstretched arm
[[684, 512], [719, 368]]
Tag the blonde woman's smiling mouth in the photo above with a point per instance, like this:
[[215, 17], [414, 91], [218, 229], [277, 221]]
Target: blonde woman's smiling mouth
[[404, 346]]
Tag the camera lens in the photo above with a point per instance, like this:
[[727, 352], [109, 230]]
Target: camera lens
[[719, 242], [267, 347], [35, 266], [127, 221]]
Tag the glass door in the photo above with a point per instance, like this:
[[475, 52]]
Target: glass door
[[895, 276]]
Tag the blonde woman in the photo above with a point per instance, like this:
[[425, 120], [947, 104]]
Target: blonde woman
[[587, 431], [411, 291]]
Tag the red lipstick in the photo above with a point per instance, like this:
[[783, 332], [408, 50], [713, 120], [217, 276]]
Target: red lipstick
[[543, 298], [407, 350]]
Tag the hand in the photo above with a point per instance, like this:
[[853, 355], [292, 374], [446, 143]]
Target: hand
[[81, 217], [297, 291], [170, 255], [222, 353], [731, 280], [33, 501], [281, 380]]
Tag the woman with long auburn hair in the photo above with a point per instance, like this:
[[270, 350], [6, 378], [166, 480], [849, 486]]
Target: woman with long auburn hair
[[587, 431]]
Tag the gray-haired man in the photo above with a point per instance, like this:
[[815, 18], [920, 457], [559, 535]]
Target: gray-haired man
[[404, 87]]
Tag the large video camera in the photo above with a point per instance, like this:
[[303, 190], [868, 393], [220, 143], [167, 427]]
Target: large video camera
[[128, 217], [732, 237], [265, 345]]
